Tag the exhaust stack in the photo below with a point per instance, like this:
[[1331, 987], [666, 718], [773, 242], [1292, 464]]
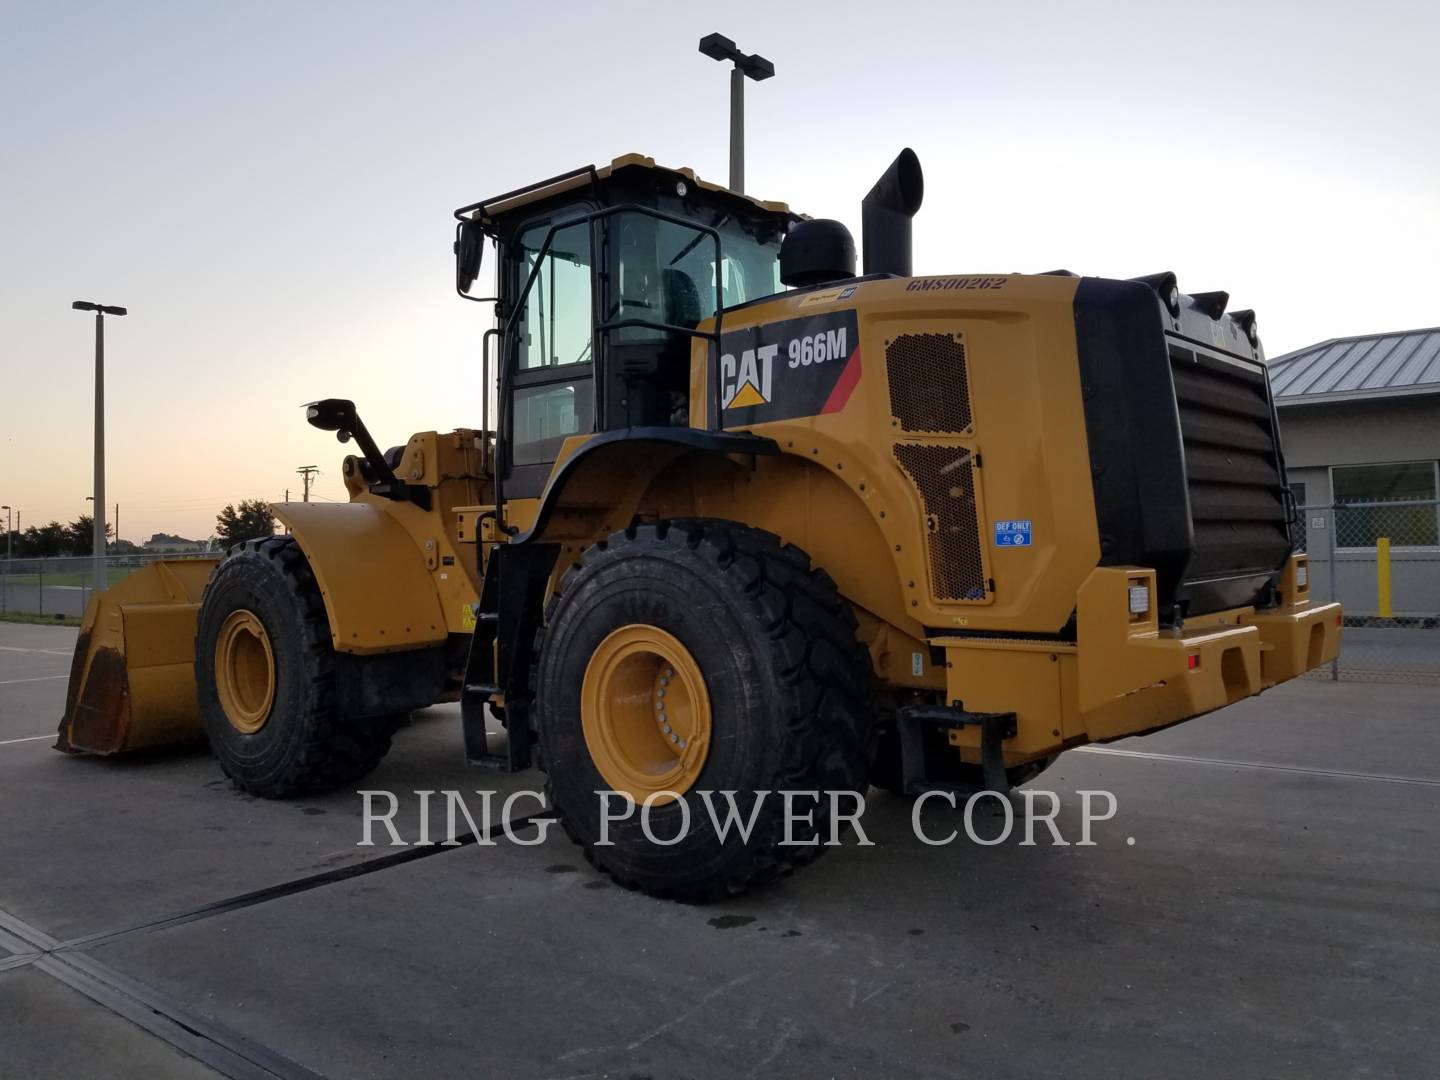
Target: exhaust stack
[[885, 216]]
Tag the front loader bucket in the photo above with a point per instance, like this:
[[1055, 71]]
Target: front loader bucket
[[132, 681]]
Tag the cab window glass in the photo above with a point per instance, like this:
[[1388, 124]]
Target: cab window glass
[[555, 328], [547, 415]]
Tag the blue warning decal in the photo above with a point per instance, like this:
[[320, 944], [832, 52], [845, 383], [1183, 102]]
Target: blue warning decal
[[1012, 534]]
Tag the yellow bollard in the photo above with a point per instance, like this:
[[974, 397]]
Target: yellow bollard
[[1382, 576]]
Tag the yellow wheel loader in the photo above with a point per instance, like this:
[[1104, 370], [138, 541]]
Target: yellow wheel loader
[[749, 521]]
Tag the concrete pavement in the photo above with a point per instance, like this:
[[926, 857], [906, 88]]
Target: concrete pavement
[[1275, 916]]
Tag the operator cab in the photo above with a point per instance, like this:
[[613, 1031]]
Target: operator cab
[[605, 276]]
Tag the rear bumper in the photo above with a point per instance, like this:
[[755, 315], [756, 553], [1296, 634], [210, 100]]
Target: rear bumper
[[1134, 677], [1124, 675]]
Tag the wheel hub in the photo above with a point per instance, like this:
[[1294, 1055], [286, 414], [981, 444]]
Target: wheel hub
[[244, 671], [645, 713]]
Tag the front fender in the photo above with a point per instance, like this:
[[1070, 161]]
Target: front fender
[[378, 594]]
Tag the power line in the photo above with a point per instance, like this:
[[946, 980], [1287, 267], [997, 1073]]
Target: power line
[[306, 472]]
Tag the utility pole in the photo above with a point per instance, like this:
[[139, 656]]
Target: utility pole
[[117, 522], [753, 66], [100, 310], [9, 535], [306, 472]]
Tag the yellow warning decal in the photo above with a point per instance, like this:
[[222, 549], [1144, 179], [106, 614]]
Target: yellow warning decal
[[467, 617]]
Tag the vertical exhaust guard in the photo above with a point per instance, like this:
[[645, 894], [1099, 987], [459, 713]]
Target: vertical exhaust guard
[[885, 216]]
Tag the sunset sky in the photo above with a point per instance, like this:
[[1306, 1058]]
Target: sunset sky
[[268, 188]]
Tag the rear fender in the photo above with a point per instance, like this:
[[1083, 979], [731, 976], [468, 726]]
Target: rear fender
[[607, 474]]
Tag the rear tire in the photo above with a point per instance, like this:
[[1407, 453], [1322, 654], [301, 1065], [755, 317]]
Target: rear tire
[[285, 738], [786, 686]]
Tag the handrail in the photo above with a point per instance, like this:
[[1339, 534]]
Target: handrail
[[507, 340]]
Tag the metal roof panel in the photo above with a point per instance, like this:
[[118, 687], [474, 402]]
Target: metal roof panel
[[1368, 364]]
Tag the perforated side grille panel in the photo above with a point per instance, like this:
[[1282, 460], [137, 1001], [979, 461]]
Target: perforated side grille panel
[[945, 478], [929, 384]]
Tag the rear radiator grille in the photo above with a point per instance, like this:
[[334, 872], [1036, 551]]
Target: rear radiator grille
[[929, 383], [945, 478], [1236, 501]]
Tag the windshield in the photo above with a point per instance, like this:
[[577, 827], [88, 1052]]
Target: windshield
[[665, 270], [749, 268]]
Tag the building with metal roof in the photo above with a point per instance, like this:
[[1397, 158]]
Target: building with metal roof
[[1359, 368], [1360, 423]]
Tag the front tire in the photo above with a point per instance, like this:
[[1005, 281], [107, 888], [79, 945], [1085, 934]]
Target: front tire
[[265, 675], [759, 657]]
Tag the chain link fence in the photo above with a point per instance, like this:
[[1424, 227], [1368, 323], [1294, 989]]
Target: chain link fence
[[59, 588], [1382, 561]]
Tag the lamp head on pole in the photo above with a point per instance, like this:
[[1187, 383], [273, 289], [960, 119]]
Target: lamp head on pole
[[753, 65], [106, 309]]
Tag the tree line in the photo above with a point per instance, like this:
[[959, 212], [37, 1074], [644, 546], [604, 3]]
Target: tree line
[[237, 522], [55, 539]]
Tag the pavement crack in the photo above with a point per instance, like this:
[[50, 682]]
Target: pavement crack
[[294, 886]]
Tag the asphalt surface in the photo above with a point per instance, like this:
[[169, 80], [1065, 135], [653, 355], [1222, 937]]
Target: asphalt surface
[[1278, 914]]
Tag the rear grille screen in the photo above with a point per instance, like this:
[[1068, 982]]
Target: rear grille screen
[[1236, 501], [945, 478], [929, 383]]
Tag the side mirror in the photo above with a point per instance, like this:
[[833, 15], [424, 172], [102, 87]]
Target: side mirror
[[338, 415], [332, 414], [469, 252]]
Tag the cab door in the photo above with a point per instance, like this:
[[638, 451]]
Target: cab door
[[552, 352]]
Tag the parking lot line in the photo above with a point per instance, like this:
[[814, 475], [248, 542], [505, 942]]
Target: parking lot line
[[37, 678], [52, 652], [27, 738], [1185, 759]]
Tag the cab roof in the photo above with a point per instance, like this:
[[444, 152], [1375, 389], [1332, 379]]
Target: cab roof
[[488, 210]]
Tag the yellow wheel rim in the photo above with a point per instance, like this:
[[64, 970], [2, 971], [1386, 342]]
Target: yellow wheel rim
[[244, 671], [645, 713]]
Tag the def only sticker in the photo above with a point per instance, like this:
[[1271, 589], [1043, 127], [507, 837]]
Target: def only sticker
[[1012, 533]]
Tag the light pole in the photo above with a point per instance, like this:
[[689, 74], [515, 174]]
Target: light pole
[[101, 310], [9, 535], [754, 66]]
